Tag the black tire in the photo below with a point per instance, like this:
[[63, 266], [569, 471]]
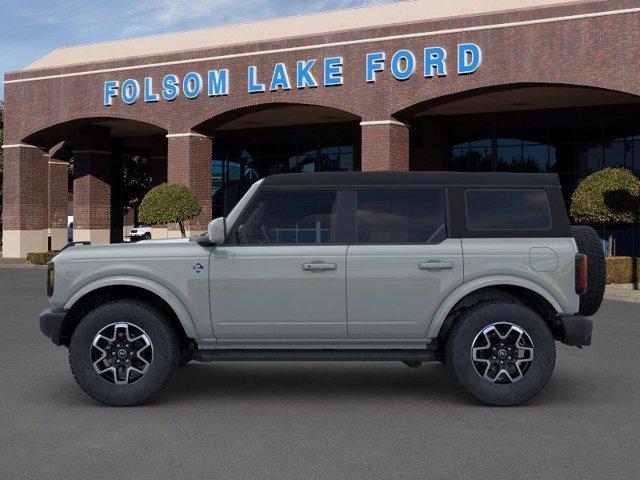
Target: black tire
[[461, 337], [166, 352], [589, 243], [147, 236]]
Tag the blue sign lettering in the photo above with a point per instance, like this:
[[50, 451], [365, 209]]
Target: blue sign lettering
[[333, 71], [149, 96], [304, 76], [469, 58], [280, 78], [375, 64], [170, 87], [192, 85], [216, 83], [130, 91]]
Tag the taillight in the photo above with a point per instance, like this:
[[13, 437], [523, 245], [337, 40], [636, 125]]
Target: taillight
[[50, 278], [581, 273]]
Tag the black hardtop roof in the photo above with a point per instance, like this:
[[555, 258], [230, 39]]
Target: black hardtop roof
[[480, 179]]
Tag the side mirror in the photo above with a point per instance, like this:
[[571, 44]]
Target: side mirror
[[217, 230]]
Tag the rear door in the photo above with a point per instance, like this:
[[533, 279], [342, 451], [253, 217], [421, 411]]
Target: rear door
[[401, 265]]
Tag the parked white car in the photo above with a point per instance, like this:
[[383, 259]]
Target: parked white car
[[140, 233]]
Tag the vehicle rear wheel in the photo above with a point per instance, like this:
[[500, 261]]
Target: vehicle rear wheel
[[502, 353], [123, 352]]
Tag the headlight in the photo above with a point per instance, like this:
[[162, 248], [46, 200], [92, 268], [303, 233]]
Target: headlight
[[50, 278]]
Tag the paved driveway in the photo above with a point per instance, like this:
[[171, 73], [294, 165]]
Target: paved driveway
[[313, 420]]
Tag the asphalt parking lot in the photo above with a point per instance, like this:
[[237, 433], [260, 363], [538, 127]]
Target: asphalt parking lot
[[314, 420]]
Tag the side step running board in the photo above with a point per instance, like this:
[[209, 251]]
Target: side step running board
[[317, 355]]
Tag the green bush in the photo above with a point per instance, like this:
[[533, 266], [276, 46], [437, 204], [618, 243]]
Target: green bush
[[620, 270], [609, 195], [169, 203], [41, 258]]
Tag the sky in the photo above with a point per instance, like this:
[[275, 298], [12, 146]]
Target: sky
[[30, 29]]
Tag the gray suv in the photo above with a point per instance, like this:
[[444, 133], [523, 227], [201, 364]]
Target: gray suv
[[479, 271]]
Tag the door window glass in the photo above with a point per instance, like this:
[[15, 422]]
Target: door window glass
[[289, 217], [401, 216]]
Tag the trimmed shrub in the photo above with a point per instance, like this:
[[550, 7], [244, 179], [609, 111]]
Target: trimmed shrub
[[169, 203], [40, 258], [620, 270], [609, 195]]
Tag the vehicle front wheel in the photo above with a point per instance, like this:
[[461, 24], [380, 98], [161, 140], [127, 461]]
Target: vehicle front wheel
[[502, 353], [123, 352]]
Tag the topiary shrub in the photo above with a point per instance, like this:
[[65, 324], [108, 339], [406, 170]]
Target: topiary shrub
[[40, 258], [169, 203], [609, 195]]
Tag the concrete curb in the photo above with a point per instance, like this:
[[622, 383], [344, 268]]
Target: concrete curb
[[624, 293]]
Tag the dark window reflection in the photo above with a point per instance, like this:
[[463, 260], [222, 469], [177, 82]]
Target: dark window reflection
[[572, 143], [242, 157]]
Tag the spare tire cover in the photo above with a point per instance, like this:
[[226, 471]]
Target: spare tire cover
[[589, 243]]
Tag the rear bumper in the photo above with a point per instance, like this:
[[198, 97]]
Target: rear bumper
[[576, 330], [51, 324]]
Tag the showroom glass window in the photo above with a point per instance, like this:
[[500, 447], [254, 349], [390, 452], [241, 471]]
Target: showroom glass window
[[390, 215], [570, 142], [286, 217], [241, 157]]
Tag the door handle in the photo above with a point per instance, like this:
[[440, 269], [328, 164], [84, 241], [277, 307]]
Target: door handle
[[435, 266], [319, 267]]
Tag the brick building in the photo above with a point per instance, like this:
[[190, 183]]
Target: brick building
[[546, 85]]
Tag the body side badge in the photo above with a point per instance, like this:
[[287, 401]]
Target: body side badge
[[198, 268]]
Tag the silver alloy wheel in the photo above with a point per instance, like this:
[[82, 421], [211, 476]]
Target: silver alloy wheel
[[121, 353], [502, 353]]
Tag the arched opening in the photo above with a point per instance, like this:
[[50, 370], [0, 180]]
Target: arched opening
[[571, 131], [254, 142], [108, 165]]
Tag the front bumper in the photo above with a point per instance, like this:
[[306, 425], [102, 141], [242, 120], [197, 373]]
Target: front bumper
[[52, 324], [576, 330]]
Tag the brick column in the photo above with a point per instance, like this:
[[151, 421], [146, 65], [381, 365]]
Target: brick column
[[385, 146], [158, 160], [159, 175], [92, 186], [25, 201], [189, 164], [58, 190]]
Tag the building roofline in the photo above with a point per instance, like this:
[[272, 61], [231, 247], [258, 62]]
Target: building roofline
[[310, 24]]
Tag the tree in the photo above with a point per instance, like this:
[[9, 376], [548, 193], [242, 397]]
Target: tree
[[169, 203], [609, 195]]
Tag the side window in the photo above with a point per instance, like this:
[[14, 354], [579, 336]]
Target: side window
[[289, 217], [401, 216], [508, 209]]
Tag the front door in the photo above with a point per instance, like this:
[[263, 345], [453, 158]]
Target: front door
[[401, 265], [281, 275]]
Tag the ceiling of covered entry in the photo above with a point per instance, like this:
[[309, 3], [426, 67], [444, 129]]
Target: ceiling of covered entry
[[529, 98], [288, 115]]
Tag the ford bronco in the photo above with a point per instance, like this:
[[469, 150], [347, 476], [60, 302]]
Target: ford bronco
[[479, 271]]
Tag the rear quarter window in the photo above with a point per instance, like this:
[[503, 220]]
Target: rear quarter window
[[507, 209]]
